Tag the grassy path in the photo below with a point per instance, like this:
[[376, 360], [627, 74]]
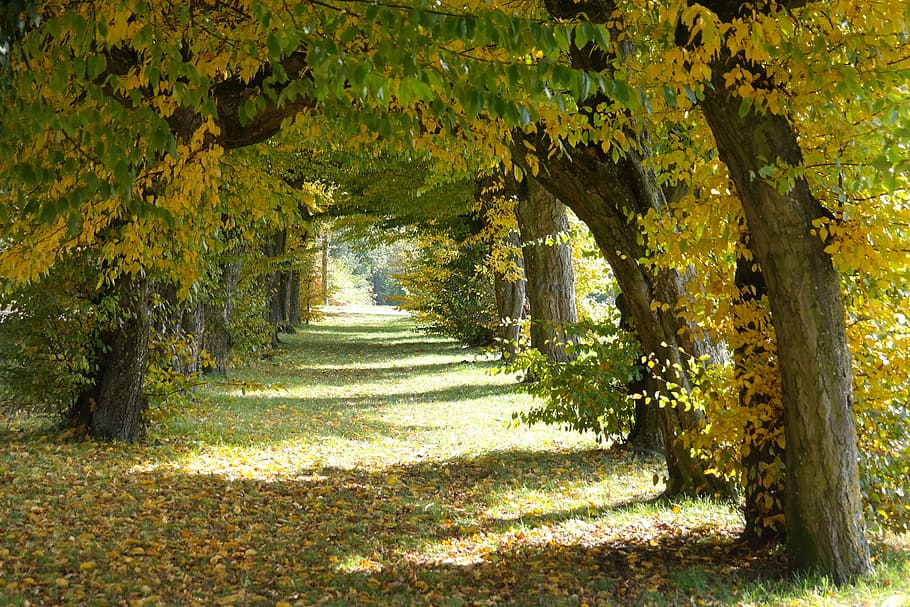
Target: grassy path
[[383, 472]]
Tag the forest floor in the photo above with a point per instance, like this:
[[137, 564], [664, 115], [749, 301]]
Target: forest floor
[[382, 468]]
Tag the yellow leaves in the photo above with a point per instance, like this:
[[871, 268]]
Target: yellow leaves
[[231, 599], [86, 566]]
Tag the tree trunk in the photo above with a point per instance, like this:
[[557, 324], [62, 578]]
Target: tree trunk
[[547, 253], [510, 304], [219, 314], [275, 249], [325, 270], [192, 325], [602, 192], [114, 407], [292, 301], [824, 513], [497, 195]]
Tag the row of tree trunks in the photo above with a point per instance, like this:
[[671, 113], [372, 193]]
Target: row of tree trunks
[[824, 516]]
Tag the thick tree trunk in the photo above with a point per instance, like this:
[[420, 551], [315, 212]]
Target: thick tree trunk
[[547, 253], [824, 514], [114, 407]]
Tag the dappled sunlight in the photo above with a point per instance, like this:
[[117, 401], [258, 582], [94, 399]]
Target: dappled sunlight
[[419, 494]]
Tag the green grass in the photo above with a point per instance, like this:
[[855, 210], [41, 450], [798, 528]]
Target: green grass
[[385, 470]]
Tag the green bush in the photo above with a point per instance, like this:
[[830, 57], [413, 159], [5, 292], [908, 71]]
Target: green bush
[[49, 334], [589, 393], [447, 293]]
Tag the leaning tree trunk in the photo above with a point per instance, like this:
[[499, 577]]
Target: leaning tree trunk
[[645, 433], [824, 513], [602, 192], [114, 406], [547, 253]]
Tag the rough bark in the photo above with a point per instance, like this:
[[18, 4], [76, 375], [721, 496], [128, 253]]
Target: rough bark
[[544, 225], [824, 516], [114, 406]]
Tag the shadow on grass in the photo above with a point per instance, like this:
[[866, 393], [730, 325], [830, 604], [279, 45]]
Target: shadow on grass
[[344, 376], [401, 535], [242, 420]]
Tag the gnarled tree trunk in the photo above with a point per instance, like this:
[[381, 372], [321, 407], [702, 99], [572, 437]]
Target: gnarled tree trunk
[[114, 406], [824, 514]]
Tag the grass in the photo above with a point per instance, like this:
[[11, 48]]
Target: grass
[[384, 471]]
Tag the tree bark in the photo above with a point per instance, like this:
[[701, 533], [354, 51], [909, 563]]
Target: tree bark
[[219, 314], [547, 252], [114, 407], [824, 515]]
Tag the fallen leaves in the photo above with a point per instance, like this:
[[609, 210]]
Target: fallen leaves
[[436, 504]]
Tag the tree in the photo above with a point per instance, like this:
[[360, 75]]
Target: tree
[[497, 200], [824, 515], [547, 251], [118, 121]]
